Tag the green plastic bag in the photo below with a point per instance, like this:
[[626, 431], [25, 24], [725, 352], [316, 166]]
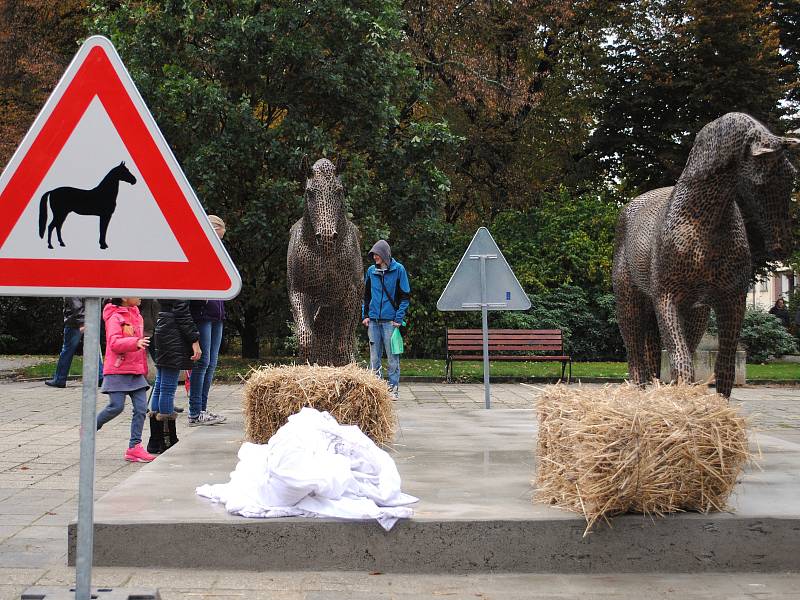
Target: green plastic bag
[[396, 343]]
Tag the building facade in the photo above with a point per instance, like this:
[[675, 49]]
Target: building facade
[[780, 283]]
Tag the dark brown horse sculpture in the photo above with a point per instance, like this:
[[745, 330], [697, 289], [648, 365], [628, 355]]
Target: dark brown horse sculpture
[[681, 251], [325, 272]]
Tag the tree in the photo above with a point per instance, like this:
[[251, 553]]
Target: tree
[[675, 65], [243, 89], [37, 41], [512, 78]]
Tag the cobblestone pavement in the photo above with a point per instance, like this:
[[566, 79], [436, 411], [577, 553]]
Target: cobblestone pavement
[[39, 456]]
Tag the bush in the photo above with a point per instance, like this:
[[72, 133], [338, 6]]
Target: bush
[[763, 336], [31, 325], [588, 324]]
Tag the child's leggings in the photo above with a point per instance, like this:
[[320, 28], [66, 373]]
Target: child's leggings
[[116, 402]]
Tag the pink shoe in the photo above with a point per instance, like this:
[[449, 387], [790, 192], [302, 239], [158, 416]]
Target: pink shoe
[[138, 454]]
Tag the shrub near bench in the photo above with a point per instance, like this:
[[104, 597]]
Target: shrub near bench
[[507, 344]]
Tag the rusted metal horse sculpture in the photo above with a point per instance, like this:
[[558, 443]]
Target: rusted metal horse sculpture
[[680, 251], [324, 271]]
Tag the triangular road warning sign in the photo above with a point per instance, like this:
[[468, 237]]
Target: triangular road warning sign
[[503, 291], [93, 202]]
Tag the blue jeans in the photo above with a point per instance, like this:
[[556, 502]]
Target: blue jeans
[[380, 336], [163, 398], [72, 338], [203, 369], [116, 402]]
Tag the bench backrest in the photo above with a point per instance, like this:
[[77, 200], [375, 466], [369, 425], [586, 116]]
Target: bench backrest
[[541, 340]]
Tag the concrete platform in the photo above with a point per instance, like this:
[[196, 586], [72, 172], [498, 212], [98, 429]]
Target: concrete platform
[[472, 470]]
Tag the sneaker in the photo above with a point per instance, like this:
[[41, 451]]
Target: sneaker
[[394, 392], [204, 418], [138, 454], [220, 418], [55, 384]]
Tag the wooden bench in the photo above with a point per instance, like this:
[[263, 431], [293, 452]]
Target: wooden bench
[[507, 344]]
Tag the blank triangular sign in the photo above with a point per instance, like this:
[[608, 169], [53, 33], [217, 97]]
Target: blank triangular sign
[[503, 291], [93, 202]]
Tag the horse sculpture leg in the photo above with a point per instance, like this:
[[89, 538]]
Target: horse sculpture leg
[[350, 321], [638, 326], [670, 324], [327, 343], [695, 325], [730, 314], [652, 345], [301, 313]]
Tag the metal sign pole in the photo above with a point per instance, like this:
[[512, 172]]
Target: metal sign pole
[[85, 542], [485, 326]]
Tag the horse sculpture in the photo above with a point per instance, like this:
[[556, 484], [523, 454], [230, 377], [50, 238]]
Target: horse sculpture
[[100, 201], [324, 271], [680, 251]]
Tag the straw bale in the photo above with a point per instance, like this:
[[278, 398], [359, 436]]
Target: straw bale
[[618, 449], [352, 395]]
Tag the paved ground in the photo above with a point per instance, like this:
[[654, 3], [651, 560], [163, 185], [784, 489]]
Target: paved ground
[[39, 451]]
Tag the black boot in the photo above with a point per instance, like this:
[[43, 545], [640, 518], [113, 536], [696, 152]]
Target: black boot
[[172, 432], [155, 444]]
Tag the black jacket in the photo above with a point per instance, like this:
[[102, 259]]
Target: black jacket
[[782, 314], [175, 332], [73, 312]]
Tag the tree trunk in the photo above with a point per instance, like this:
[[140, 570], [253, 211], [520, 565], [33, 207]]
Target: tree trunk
[[249, 336]]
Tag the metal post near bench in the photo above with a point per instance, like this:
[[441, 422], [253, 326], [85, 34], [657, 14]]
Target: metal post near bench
[[505, 293], [484, 306]]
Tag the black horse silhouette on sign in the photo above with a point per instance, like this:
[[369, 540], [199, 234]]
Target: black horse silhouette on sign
[[100, 201]]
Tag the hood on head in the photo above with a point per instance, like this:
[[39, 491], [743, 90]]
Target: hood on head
[[382, 249], [110, 309]]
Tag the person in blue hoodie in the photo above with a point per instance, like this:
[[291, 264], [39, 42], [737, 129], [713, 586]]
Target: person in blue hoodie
[[386, 298]]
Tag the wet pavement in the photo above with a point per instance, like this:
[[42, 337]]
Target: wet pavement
[[39, 454]]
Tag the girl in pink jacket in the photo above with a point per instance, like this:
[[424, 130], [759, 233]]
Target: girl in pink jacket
[[124, 370]]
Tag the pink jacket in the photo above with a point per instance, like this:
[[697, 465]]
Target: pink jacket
[[124, 328]]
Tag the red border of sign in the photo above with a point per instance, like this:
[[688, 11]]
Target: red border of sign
[[97, 77]]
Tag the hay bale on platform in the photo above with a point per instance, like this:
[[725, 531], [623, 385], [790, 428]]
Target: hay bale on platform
[[623, 449], [352, 395]]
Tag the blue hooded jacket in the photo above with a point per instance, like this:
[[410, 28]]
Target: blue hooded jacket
[[385, 287]]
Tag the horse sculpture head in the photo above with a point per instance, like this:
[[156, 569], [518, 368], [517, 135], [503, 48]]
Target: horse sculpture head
[[324, 204], [121, 173], [737, 151]]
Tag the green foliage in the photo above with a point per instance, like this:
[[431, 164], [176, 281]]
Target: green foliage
[[242, 90], [567, 239], [674, 65], [31, 325], [6, 342], [764, 336], [588, 324]]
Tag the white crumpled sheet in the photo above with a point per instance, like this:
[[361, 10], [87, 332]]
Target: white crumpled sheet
[[314, 467]]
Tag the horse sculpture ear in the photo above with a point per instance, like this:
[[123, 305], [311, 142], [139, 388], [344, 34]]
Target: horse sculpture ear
[[759, 150], [341, 164], [305, 168]]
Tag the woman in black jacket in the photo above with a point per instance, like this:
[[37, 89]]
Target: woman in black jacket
[[177, 347]]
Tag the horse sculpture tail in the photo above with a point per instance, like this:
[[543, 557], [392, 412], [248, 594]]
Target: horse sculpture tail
[[43, 214]]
